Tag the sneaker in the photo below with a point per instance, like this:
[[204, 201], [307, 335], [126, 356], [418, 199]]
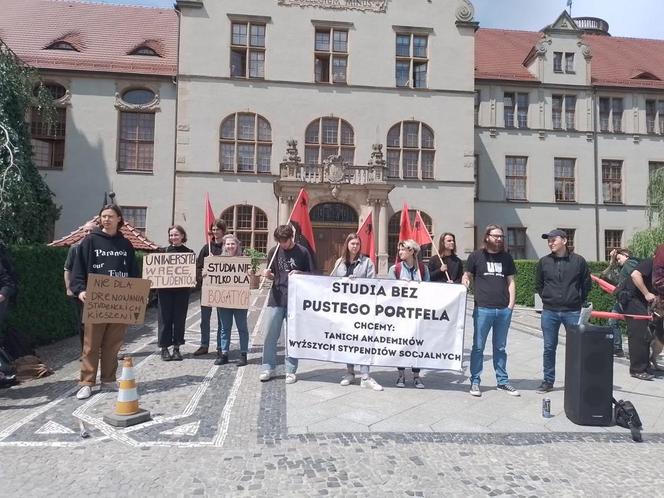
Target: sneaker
[[643, 376], [618, 353], [418, 383], [545, 387], [266, 375], [506, 388], [401, 381], [347, 379], [165, 355], [243, 360], [291, 378], [201, 351], [371, 384], [475, 390], [176, 356], [84, 392]]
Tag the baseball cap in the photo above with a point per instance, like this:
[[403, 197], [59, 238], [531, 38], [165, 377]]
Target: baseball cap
[[554, 233]]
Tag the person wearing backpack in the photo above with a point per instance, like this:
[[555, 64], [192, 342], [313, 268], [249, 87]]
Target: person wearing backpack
[[409, 268]]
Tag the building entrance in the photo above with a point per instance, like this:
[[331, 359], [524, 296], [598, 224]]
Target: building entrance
[[332, 222]]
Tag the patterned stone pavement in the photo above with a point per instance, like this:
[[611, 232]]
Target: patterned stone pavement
[[217, 431]]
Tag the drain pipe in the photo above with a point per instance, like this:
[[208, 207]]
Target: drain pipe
[[176, 81], [596, 166]]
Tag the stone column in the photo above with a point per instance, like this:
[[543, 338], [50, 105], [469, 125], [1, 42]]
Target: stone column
[[383, 264]]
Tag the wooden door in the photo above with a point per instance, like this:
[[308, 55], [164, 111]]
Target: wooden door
[[329, 242]]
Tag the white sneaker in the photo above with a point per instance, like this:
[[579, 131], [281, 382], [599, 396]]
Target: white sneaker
[[266, 375], [84, 392], [347, 379], [291, 378], [371, 384], [475, 390], [507, 388]]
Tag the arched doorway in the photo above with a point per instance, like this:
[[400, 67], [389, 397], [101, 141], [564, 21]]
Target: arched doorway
[[332, 222]]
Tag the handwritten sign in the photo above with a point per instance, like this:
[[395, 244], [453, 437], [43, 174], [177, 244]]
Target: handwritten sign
[[166, 270], [226, 282], [115, 300]]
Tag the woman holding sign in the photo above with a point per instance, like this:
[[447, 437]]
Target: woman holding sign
[[352, 264], [105, 251], [446, 265], [232, 248], [173, 303], [409, 268]]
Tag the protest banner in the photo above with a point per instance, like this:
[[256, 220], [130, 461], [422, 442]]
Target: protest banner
[[394, 323], [166, 270], [226, 282], [115, 300]]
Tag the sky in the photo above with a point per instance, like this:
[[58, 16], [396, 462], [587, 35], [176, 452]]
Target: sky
[[632, 18]]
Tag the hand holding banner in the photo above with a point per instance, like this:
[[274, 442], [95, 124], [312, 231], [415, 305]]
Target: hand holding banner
[[115, 300]]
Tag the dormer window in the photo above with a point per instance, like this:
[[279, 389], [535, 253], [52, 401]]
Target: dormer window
[[144, 50], [566, 58], [61, 45]]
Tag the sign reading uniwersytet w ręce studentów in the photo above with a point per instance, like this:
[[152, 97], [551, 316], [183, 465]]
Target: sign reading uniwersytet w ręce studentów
[[115, 300], [376, 322], [167, 270], [226, 282]]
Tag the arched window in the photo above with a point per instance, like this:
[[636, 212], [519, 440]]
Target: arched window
[[393, 233], [144, 50], [136, 146], [245, 143], [61, 45], [48, 139], [249, 224], [329, 137], [410, 151]]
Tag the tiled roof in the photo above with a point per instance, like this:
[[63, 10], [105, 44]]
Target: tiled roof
[[499, 55], [137, 240], [103, 35]]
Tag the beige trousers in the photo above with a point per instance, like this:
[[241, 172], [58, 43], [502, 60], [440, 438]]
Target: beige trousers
[[104, 338]]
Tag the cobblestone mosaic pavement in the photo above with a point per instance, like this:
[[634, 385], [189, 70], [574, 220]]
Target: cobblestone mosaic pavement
[[217, 431]]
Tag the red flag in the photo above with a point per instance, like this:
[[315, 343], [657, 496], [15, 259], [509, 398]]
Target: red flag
[[209, 218], [405, 232], [603, 284], [367, 239], [420, 233], [299, 218]]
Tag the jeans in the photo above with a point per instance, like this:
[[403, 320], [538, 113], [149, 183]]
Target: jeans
[[364, 369], [550, 323], [613, 323], [206, 313], [485, 319], [224, 340], [275, 316]]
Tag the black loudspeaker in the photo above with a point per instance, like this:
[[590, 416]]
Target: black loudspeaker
[[589, 375]]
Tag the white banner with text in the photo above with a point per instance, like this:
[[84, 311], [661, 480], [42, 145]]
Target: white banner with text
[[376, 322]]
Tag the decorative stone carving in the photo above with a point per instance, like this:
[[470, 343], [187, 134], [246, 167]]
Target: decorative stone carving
[[335, 171], [292, 155], [63, 101], [586, 51], [541, 46], [377, 158], [366, 5], [121, 105], [465, 12]]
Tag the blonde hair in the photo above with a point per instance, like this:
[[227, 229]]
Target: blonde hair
[[409, 244]]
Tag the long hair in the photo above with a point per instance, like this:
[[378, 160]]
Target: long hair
[[115, 208], [488, 230], [179, 229], [441, 243], [345, 253], [238, 245]]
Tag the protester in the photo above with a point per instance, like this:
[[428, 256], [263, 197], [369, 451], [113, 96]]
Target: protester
[[621, 266], [232, 247], [105, 251], [69, 266], [215, 248], [353, 264], [8, 286], [635, 301], [562, 279], [409, 268], [492, 271], [446, 265], [173, 303], [290, 258]]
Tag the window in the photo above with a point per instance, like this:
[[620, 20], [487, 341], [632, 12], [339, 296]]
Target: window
[[518, 108], [247, 50], [612, 240], [567, 57], [135, 216], [655, 116], [393, 229], [516, 242], [477, 107], [48, 139], [331, 55], [612, 181], [136, 147], [610, 113], [410, 151], [145, 50], [569, 62], [570, 112], [249, 224], [411, 60], [61, 45], [515, 178], [571, 232], [564, 183], [245, 144], [563, 105], [557, 112], [557, 62], [326, 137]]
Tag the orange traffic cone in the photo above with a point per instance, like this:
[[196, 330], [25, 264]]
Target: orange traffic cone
[[127, 412]]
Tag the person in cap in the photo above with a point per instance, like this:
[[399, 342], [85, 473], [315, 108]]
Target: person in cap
[[562, 279]]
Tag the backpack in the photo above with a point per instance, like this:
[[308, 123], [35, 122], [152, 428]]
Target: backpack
[[658, 271], [626, 416], [397, 269]]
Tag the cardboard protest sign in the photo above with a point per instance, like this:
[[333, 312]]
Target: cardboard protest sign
[[226, 282], [115, 300], [167, 270], [393, 323]]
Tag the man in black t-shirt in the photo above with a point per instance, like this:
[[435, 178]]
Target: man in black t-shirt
[[492, 270], [290, 258]]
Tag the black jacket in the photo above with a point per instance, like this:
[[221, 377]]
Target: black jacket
[[216, 250], [563, 283], [454, 269], [105, 255]]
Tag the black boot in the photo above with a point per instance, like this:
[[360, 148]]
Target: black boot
[[177, 356], [243, 360], [222, 358], [165, 355]]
